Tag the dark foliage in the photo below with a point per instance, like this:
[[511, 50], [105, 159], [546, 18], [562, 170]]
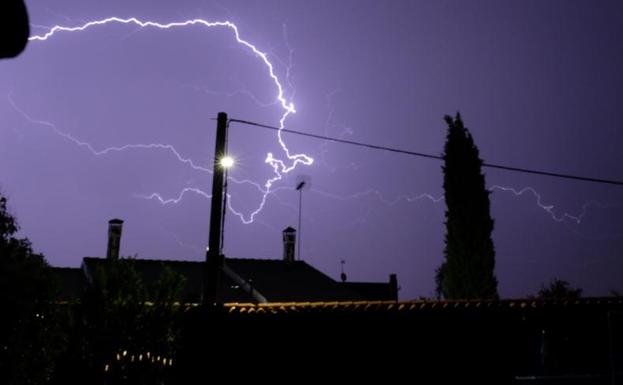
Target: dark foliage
[[30, 335], [559, 289], [468, 269], [123, 330]]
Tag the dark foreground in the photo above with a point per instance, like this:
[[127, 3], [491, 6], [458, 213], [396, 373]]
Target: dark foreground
[[516, 342]]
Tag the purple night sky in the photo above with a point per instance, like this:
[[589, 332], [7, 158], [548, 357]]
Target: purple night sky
[[539, 84]]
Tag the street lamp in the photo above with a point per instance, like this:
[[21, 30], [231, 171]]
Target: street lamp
[[227, 162]]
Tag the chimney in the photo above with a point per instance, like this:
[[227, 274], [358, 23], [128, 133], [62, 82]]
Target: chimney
[[289, 241], [114, 238], [393, 287]]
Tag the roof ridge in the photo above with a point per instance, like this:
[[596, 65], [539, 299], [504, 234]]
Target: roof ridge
[[201, 261], [261, 259], [146, 260]]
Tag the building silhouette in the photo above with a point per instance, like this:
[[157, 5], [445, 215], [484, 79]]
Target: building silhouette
[[245, 280], [284, 315]]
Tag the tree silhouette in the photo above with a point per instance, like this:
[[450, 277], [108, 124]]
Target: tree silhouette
[[559, 289], [30, 336], [122, 325], [468, 268]]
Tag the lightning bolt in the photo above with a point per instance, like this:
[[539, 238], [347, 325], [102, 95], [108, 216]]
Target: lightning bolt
[[346, 130], [379, 196], [279, 167], [197, 191], [548, 208], [577, 218], [140, 146]]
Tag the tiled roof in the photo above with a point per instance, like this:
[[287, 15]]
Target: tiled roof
[[419, 306]]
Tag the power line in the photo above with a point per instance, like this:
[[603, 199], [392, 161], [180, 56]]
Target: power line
[[438, 157]]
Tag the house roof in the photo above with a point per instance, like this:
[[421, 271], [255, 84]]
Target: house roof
[[192, 271], [280, 280], [372, 291], [276, 280], [70, 281]]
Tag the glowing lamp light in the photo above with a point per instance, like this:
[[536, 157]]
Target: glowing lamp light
[[227, 161]]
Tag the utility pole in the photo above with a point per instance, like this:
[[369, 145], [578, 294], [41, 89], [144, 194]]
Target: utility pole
[[214, 257]]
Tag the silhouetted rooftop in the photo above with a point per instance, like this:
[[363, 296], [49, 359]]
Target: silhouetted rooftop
[[279, 280], [275, 280], [372, 291], [70, 281]]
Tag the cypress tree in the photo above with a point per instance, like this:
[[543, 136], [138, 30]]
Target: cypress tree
[[469, 256]]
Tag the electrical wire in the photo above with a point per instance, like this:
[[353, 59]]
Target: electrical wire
[[437, 157]]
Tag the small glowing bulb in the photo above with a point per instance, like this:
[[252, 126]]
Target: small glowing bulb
[[227, 161]]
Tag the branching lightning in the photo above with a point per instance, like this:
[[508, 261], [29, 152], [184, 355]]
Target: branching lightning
[[279, 166], [548, 208], [379, 196], [105, 151], [577, 218], [151, 146]]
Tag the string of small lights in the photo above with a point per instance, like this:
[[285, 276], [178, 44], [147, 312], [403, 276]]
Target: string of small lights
[[124, 357]]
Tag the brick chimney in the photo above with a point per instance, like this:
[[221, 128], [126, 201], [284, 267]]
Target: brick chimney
[[289, 243], [114, 238]]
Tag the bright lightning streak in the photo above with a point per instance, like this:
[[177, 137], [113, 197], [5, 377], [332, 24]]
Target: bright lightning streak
[[107, 150], [550, 208], [378, 195], [279, 167], [200, 192], [151, 146]]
